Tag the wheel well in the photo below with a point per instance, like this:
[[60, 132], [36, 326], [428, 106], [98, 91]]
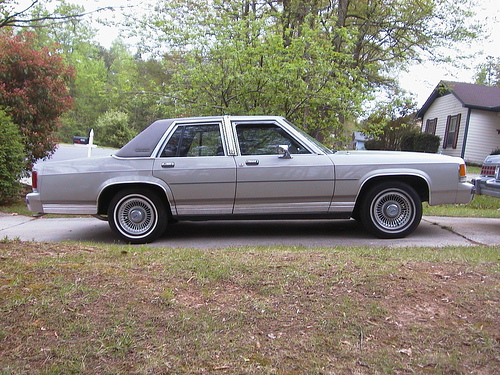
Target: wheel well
[[417, 183], [110, 191]]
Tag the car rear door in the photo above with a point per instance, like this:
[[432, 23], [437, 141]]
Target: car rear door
[[193, 161]]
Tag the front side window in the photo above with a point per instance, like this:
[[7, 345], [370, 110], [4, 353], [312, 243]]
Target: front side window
[[451, 133], [264, 139], [194, 140]]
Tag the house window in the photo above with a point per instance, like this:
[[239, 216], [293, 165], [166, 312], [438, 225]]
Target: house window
[[451, 133], [430, 125]]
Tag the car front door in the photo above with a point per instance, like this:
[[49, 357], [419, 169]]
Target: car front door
[[298, 181], [193, 162]]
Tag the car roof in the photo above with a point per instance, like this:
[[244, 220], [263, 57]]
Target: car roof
[[145, 142]]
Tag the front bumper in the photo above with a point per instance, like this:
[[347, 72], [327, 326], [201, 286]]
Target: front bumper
[[464, 193], [487, 186]]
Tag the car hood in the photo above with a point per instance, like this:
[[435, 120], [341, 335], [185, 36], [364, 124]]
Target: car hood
[[394, 157]]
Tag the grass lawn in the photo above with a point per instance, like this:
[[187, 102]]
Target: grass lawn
[[480, 206], [73, 308]]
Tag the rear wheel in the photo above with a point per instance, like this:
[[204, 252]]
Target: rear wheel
[[391, 210], [137, 215]]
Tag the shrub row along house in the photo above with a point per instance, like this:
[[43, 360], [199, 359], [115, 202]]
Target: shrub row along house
[[466, 117]]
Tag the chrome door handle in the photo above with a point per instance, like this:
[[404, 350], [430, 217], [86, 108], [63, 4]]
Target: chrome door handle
[[252, 162], [168, 165]]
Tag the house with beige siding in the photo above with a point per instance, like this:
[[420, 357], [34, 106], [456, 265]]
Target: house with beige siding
[[466, 117]]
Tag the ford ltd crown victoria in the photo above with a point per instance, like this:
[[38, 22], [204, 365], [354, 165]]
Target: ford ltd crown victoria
[[245, 167]]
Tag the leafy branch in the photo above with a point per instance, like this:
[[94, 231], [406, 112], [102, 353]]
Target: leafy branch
[[23, 19]]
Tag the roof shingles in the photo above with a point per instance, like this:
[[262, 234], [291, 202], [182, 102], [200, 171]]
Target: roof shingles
[[470, 95]]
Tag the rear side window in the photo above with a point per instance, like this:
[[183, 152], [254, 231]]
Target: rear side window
[[193, 141]]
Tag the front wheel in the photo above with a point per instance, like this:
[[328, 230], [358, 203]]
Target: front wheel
[[137, 215], [391, 210]]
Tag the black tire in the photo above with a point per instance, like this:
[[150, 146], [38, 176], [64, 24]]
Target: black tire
[[391, 210], [138, 215]]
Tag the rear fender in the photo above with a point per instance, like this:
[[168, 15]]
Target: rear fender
[[111, 187]]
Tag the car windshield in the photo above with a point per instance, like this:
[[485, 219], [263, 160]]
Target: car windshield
[[320, 145]]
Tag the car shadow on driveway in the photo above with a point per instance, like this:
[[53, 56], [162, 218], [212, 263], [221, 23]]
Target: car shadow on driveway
[[265, 229], [291, 233]]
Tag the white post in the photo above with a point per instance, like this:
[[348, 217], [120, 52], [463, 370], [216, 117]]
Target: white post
[[91, 143]]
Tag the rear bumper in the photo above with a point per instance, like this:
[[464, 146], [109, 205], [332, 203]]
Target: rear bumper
[[487, 186], [34, 203]]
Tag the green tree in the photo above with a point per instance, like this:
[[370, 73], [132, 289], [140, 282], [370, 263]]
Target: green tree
[[105, 79], [236, 61], [385, 35], [33, 91], [11, 158], [127, 87], [314, 61], [89, 90], [390, 123], [65, 34], [488, 73], [113, 130], [73, 37]]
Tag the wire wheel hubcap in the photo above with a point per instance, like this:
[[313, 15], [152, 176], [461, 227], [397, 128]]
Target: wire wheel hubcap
[[136, 215], [392, 210]]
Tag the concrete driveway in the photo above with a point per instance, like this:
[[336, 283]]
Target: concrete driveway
[[433, 232]]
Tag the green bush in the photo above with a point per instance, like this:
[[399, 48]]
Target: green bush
[[425, 142], [112, 129], [420, 142], [11, 158], [408, 141], [375, 144]]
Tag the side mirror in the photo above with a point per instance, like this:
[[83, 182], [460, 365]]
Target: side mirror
[[284, 151]]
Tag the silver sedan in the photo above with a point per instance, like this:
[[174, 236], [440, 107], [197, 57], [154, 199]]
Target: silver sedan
[[245, 167]]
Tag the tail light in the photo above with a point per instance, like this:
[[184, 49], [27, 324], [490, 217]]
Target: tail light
[[34, 179], [488, 170]]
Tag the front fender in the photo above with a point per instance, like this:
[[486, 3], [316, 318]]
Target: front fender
[[416, 178]]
